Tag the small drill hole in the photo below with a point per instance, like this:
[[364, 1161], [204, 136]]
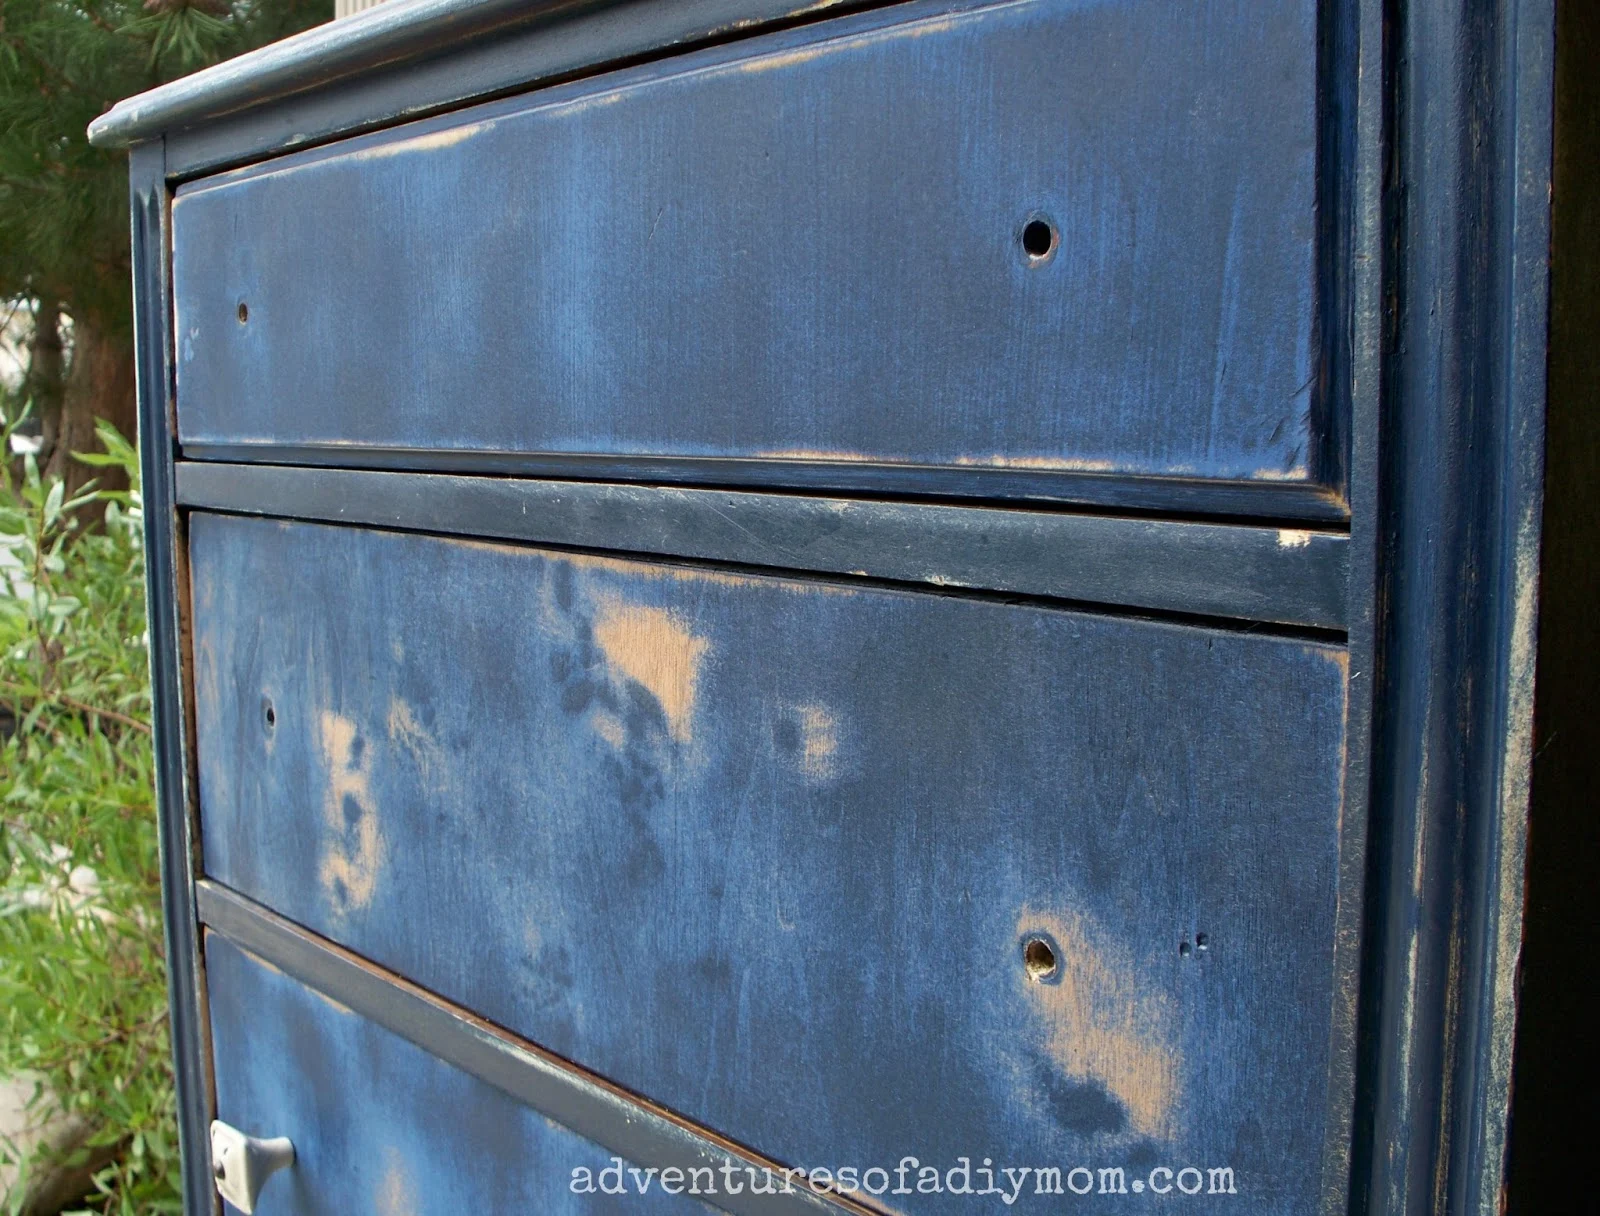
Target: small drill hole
[[270, 714], [1039, 957], [1183, 949], [1038, 238], [1201, 941], [244, 312]]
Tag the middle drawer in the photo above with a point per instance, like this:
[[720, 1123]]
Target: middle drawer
[[784, 856]]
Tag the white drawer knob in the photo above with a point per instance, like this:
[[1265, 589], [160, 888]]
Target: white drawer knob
[[241, 1163]]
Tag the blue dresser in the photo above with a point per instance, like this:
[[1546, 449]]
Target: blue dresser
[[891, 607]]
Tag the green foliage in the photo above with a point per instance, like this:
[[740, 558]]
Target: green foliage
[[82, 987], [82, 991], [63, 204]]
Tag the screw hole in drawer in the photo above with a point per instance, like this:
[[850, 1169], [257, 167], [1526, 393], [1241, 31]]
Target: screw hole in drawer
[[1039, 239], [1041, 958], [1202, 943], [244, 312], [269, 714]]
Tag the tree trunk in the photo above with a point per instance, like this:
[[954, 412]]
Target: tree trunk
[[99, 384], [42, 385]]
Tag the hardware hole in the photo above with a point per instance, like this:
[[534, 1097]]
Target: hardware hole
[[244, 312], [269, 714], [1183, 949], [1038, 238], [1201, 941], [1039, 957]]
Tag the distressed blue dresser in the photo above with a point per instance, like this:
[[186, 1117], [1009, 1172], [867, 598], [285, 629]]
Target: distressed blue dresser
[[891, 607]]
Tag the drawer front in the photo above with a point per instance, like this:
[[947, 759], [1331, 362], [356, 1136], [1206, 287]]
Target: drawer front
[[378, 1125], [809, 246], [794, 859]]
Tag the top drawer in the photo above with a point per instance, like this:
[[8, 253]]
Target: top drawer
[[808, 246]]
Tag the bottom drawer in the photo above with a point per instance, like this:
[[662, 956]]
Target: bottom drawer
[[379, 1125]]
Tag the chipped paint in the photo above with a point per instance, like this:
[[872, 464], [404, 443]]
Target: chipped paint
[[655, 649], [1043, 462], [1101, 1025], [609, 727], [407, 732], [857, 42], [338, 1007], [634, 569], [264, 963], [1295, 472], [430, 142], [815, 454], [349, 871], [786, 923], [1516, 777], [654, 570], [629, 568], [396, 1196], [819, 742], [1293, 538], [592, 101], [786, 59], [381, 148]]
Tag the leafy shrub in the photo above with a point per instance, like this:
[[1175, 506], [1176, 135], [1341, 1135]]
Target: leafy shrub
[[82, 973]]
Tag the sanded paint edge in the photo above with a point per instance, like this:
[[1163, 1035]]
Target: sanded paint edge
[[1285, 576]]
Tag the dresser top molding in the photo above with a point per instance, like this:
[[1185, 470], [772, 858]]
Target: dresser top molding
[[538, 41]]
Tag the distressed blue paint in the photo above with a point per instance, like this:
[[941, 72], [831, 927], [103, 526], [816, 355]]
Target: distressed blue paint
[[379, 1125], [803, 244], [788, 898]]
